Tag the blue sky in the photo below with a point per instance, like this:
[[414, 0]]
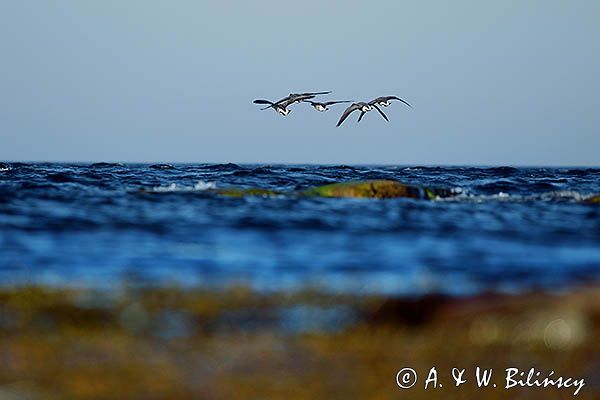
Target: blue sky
[[508, 82]]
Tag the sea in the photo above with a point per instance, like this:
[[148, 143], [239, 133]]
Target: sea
[[106, 225]]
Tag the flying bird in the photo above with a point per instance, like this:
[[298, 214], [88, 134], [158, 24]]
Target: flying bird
[[366, 107], [321, 107], [281, 106], [362, 106], [384, 101]]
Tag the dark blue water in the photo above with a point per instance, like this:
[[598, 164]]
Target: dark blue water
[[89, 224]]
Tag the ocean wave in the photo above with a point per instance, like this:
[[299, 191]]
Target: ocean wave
[[200, 186], [466, 196], [550, 196], [562, 195], [60, 177], [162, 166], [4, 167], [501, 171], [106, 165], [497, 186], [419, 168], [221, 167], [204, 224], [336, 167]]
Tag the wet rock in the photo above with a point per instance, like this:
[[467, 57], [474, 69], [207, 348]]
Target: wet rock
[[237, 192], [593, 199], [377, 189]]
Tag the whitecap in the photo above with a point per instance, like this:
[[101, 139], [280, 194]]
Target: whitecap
[[201, 185], [557, 195], [466, 196], [563, 195], [175, 187]]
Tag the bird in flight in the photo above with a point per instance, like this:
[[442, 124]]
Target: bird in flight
[[384, 101], [366, 107], [321, 107], [281, 106], [362, 106]]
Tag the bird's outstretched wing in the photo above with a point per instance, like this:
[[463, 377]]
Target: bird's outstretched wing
[[287, 103], [377, 100], [293, 98], [347, 112], [388, 98], [362, 113], [399, 99], [309, 93], [261, 101], [298, 97], [381, 112], [329, 103], [287, 98]]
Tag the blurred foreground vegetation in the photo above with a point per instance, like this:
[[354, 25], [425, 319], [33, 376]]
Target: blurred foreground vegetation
[[237, 344]]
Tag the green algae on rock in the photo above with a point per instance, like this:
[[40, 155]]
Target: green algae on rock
[[377, 189]]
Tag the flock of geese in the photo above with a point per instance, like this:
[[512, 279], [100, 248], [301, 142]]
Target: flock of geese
[[281, 106]]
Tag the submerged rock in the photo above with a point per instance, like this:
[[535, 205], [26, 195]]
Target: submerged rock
[[593, 199], [377, 189], [374, 189], [238, 192]]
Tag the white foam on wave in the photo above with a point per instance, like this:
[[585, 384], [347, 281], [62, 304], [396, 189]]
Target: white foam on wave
[[555, 195], [480, 198], [200, 186], [563, 195]]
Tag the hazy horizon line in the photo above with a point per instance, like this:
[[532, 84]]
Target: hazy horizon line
[[358, 164]]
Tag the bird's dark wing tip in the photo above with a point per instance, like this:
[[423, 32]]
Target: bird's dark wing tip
[[403, 101]]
